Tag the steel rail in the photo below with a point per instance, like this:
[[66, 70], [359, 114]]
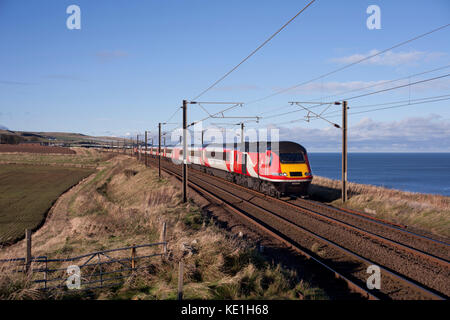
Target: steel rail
[[267, 229], [394, 243], [394, 226], [309, 211], [410, 282], [280, 236]]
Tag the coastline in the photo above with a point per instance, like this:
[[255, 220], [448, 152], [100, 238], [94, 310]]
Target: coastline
[[426, 173]]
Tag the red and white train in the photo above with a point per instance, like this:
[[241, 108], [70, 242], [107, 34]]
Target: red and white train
[[285, 171]]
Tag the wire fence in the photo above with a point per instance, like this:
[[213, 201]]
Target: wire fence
[[100, 269]]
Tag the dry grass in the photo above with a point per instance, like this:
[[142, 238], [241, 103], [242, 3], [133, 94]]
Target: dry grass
[[124, 204], [17, 286], [424, 211]]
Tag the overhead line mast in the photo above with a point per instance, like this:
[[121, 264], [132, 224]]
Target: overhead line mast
[[317, 104], [185, 171]]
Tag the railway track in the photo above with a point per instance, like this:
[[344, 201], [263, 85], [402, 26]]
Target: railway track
[[412, 266], [433, 249], [387, 232]]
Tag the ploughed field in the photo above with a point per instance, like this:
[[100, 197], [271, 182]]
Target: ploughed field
[[27, 192], [34, 148]]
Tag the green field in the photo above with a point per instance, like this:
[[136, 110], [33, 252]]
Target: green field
[[27, 192], [89, 159]]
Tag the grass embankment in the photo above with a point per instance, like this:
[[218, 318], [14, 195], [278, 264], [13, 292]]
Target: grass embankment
[[125, 204], [428, 212]]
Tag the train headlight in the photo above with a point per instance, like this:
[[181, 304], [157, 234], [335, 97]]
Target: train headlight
[[285, 174], [307, 174]]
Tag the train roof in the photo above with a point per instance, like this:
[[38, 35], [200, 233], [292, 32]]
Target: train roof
[[284, 146]]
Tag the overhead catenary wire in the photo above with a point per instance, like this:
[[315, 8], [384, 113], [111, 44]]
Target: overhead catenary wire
[[349, 65], [240, 63], [398, 87], [319, 116], [392, 102], [353, 90], [283, 114], [173, 115], [320, 77], [200, 104], [359, 96], [403, 105], [365, 111], [253, 52], [340, 93], [385, 82], [214, 115]]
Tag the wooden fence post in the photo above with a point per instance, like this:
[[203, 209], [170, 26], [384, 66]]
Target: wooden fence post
[[163, 239], [133, 256], [180, 280], [28, 248]]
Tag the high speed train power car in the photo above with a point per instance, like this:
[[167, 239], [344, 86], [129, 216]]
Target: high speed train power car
[[256, 165]]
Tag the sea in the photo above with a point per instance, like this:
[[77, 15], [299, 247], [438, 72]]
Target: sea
[[414, 172]]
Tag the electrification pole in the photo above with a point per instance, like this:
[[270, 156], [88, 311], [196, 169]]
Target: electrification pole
[[242, 148], [242, 136], [139, 150], [137, 147], [184, 151], [343, 127], [159, 150], [146, 140], [344, 151]]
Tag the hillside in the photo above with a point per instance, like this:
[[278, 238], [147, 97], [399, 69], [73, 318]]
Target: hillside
[[15, 137]]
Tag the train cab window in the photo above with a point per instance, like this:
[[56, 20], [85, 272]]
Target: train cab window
[[292, 157]]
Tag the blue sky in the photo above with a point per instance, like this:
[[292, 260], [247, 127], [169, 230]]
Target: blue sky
[[133, 62]]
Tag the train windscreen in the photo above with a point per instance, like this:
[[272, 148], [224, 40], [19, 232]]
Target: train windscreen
[[292, 157]]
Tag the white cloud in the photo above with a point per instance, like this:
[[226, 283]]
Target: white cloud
[[390, 58], [431, 133], [333, 87]]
